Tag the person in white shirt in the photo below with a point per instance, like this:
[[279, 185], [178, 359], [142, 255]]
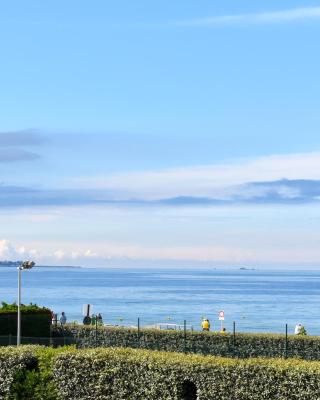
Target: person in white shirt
[[63, 318], [298, 329]]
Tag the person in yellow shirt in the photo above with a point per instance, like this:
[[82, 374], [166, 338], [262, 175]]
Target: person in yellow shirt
[[205, 324]]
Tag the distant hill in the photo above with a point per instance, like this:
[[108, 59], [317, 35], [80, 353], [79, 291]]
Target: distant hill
[[10, 263], [17, 263]]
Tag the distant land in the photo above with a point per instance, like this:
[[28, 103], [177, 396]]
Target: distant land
[[17, 263], [10, 263]]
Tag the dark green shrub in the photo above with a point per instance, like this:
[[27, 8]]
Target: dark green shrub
[[123, 374], [35, 321], [26, 373], [207, 343], [35, 373], [13, 362]]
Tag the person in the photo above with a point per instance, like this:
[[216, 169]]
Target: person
[[63, 318], [205, 325], [99, 319], [54, 318], [223, 330], [300, 330], [86, 320]]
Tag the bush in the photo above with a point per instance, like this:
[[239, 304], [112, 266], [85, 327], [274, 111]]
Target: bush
[[26, 373], [126, 374], [25, 309], [123, 374], [208, 343], [37, 382], [12, 361], [35, 321]]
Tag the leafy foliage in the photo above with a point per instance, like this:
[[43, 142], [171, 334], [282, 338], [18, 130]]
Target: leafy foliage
[[12, 361], [122, 374], [31, 372], [35, 320], [207, 343], [25, 309]]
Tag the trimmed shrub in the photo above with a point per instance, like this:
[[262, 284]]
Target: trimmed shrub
[[123, 374], [207, 343], [26, 373], [37, 382], [35, 321], [13, 360], [36, 373]]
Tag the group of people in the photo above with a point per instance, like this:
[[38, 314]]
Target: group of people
[[93, 320], [205, 325], [62, 319], [97, 319]]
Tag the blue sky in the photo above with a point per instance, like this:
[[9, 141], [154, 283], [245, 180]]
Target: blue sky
[[160, 133]]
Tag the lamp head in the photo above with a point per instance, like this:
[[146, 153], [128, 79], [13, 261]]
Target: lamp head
[[27, 265]]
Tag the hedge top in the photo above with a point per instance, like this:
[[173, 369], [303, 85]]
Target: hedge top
[[162, 358], [25, 309], [163, 332]]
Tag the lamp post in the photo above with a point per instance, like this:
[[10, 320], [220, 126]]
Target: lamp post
[[25, 265]]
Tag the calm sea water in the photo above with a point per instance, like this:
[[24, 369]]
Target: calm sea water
[[259, 301]]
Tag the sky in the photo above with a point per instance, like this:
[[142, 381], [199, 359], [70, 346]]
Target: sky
[[160, 133]]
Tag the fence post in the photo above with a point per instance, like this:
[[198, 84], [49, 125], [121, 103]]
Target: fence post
[[185, 335], [234, 338], [10, 339], [138, 332], [96, 332], [286, 343]]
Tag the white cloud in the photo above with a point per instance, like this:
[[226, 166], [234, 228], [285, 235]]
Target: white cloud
[[7, 251], [113, 252], [10, 252], [289, 15], [218, 181], [258, 250]]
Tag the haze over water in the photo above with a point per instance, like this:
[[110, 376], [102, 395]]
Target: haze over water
[[258, 300]]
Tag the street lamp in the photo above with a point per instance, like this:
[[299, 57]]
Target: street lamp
[[25, 265]]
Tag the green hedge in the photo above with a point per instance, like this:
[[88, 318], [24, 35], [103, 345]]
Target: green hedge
[[26, 309], [122, 374], [12, 361], [208, 343], [26, 373], [35, 321], [128, 374]]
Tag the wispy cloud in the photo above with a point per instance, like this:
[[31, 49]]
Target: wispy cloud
[[274, 192], [13, 155], [14, 146], [269, 17], [28, 137], [274, 179], [219, 181]]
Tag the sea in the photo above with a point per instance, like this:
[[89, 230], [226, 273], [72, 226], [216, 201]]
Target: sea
[[256, 300]]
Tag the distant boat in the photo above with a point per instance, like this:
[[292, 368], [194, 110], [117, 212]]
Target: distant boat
[[247, 269]]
